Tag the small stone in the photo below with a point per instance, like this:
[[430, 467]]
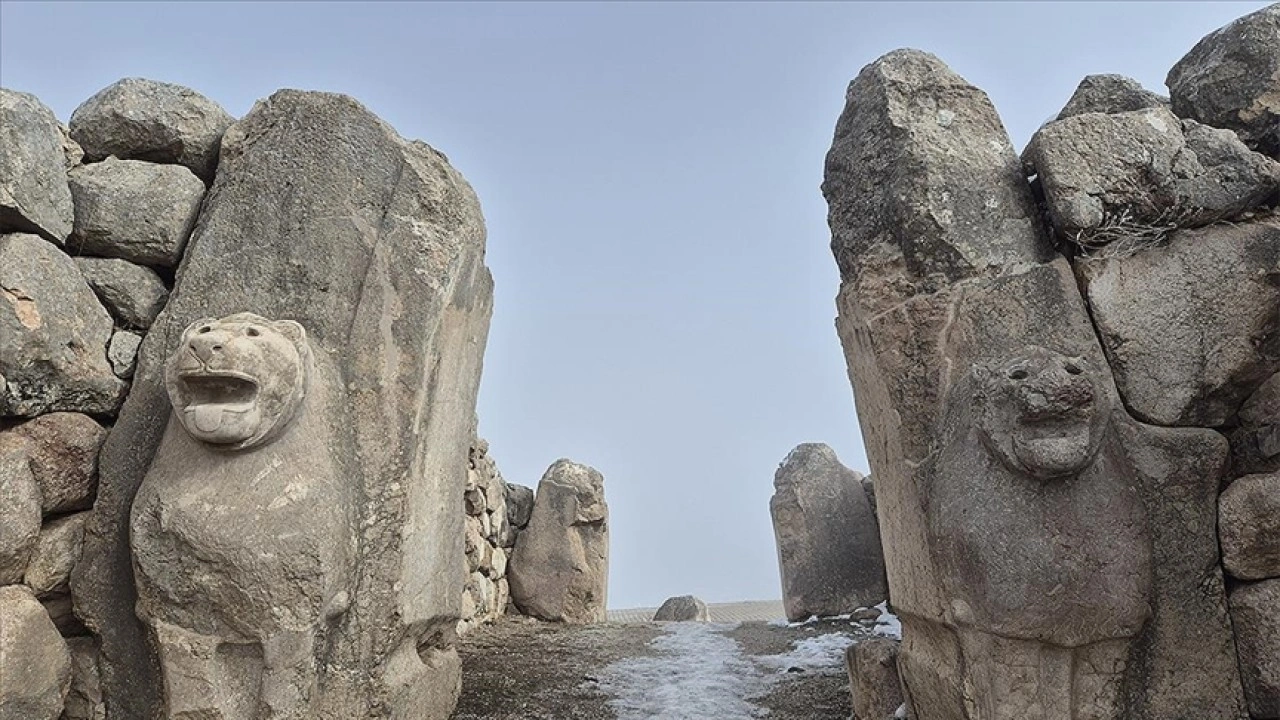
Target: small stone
[[1255, 443], [72, 153], [1255, 616], [1110, 94], [56, 552], [866, 614], [134, 294], [1230, 80], [498, 563], [64, 459], [61, 611], [84, 701], [1249, 527], [19, 508], [35, 667], [682, 608], [122, 351], [154, 121], [873, 678], [474, 501], [519, 505], [34, 196], [139, 211]]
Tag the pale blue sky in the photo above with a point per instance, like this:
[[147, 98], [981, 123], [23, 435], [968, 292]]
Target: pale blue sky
[[649, 175]]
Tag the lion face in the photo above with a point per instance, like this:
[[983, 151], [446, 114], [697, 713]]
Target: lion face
[[237, 382], [1042, 413]]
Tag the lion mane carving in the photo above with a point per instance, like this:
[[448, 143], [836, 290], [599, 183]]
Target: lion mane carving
[[242, 530]]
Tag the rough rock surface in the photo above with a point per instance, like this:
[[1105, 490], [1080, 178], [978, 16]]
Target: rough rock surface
[[1191, 327], [35, 668], [135, 210], [64, 459], [560, 569], [143, 119], [55, 554], [54, 356], [134, 294], [681, 608], [1255, 443], [322, 214], [829, 554], [1231, 79], [84, 700], [1249, 527], [1110, 94], [33, 181], [122, 351], [1106, 175], [873, 678], [19, 508], [1255, 613]]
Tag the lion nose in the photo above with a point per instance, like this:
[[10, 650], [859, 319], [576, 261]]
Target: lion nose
[[206, 345]]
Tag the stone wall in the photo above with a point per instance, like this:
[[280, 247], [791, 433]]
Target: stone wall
[[1066, 375], [496, 513]]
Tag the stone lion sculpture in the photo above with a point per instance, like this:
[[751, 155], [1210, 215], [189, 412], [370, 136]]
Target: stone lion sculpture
[[242, 528], [1040, 538]]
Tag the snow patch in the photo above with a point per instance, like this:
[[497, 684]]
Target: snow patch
[[823, 654], [887, 624]]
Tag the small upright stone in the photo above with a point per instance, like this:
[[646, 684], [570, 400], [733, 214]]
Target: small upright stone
[[1249, 527], [1255, 616], [56, 553], [84, 701], [1110, 94], [139, 211], [19, 508], [64, 459], [560, 570], [134, 294], [682, 608], [122, 351], [873, 678], [829, 551], [1231, 79], [147, 120], [33, 181], [35, 667]]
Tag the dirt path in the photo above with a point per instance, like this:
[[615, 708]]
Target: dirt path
[[522, 669]]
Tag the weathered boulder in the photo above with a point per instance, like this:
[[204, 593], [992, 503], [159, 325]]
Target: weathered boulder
[[33, 179], [1110, 94], [1108, 177], [1249, 527], [1255, 443], [1255, 615], [141, 119], [122, 351], [872, 665], [1231, 79], [681, 608], [1190, 326], [134, 294], [19, 508], [35, 668], [64, 459], [84, 700], [55, 554], [829, 554], [560, 569], [397, 346], [139, 211], [519, 505], [54, 354]]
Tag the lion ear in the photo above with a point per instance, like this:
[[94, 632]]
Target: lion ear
[[291, 330], [196, 325]]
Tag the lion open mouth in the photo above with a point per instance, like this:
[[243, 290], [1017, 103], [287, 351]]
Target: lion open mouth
[[210, 397]]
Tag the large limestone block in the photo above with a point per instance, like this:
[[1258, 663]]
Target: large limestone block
[[1231, 79], [35, 668], [1249, 527], [134, 294], [321, 215], [829, 554], [55, 554], [1110, 94], [1255, 614], [33, 179], [874, 685], [560, 569], [141, 119], [19, 508], [1105, 176], [54, 354], [139, 211], [1190, 327], [64, 459]]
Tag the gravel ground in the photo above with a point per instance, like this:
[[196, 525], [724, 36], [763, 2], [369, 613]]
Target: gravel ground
[[521, 669]]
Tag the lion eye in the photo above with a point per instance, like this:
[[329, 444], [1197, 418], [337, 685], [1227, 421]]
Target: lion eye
[[205, 329], [1018, 374], [252, 332], [1072, 368]]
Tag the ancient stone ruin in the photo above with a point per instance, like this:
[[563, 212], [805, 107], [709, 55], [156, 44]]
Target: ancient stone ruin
[[1067, 369]]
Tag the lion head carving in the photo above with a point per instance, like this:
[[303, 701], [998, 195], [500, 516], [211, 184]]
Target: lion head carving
[[237, 382], [1042, 413]]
